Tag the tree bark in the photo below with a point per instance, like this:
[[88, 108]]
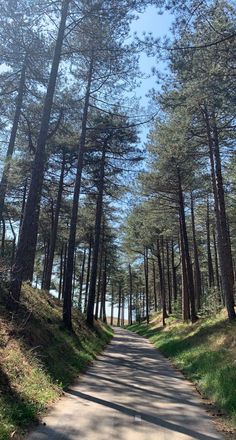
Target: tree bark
[[188, 265], [162, 287], [53, 237], [209, 257], [154, 284], [168, 278], [197, 272], [146, 275], [82, 280], [174, 277], [119, 305], [88, 274], [130, 319], [12, 140], [67, 304], [223, 242], [99, 210], [25, 255]]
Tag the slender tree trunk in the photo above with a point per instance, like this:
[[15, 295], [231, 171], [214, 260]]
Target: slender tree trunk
[[198, 287], [74, 276], [61, 273], [13, 241], [67, 304], [112, 304], [174, 277], [11, 144], [104, 289], [99, 283], [123, 310], [99, 210], [188, 264], [209, 257], [154, 284], [185, 295], [25, 255], [3, 236], [88, 275], [216, 264], [23, 201], [119, 305], [168, 278], [82, 279], [162, 287], [146, 275], [64, 268], [130, 320], [53, 237], [46, 251], [223, 242]]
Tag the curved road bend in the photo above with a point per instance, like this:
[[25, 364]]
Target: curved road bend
[[131, 392]]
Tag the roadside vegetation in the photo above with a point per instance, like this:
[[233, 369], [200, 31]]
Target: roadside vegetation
[[39, 358], [205, 352]]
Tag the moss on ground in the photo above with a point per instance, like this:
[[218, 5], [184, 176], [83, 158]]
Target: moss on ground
[[205, 352], [39, 357]]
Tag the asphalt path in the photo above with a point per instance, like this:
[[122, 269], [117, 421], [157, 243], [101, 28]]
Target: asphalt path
[[131, 392]]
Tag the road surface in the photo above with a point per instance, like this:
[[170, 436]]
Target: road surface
[[131, 392]]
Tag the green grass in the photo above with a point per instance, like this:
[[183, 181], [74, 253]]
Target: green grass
[[38, 358], [205, 352]]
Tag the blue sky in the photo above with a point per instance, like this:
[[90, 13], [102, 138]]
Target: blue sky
[[159, 25], [150, 21]]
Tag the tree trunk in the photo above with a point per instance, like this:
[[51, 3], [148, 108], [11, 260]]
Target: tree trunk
[[67, 304], [11, 144], [168, 278], [188, 265], [26, 249], [112, 304], [223, 242], [216, 264], [185, 295], [3, 236], [53, 237], [197, 272], [99, 283], [82, 280], [130, 319], [146, 275], [174, 277], [88, 275], [154, 285], [209, 257], [99, 210], [104, 290], [162, 287], [119, 305], [61, 273]]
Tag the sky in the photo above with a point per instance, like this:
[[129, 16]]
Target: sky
[[159, 25]]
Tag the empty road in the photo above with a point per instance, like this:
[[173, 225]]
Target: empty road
[[131, 392]]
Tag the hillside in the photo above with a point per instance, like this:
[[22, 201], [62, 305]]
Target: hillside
[[39, 357], [206, 354]]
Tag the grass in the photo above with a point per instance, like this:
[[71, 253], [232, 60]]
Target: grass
[[205, 352], [38, 358]]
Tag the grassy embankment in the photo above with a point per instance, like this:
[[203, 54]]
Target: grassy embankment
[[38, 357], [205, 352]]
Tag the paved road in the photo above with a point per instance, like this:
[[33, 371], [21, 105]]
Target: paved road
[[130, 393]]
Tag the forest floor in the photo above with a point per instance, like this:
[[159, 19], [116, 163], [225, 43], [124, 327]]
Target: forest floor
[[205, 352], [131, 392], [38, 358]]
